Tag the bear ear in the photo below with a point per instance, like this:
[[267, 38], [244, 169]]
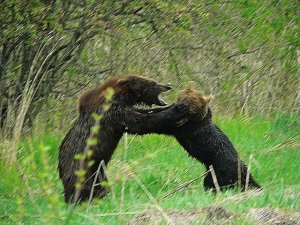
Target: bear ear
[[208, 98], [124, 81], [191, 85]]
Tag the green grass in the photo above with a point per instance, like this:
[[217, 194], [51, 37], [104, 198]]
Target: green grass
[[30, 192]]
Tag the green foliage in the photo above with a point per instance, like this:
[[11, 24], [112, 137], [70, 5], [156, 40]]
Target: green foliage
[[32, 192], [246, 53], [234, 48]]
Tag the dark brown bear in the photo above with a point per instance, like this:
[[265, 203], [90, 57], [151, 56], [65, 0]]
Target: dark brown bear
[[203, 140], [120, 117]]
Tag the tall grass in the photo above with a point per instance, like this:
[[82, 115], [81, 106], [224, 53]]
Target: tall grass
[[154, 165]]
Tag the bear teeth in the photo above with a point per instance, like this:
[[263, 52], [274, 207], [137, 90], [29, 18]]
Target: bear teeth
[[162, 102]]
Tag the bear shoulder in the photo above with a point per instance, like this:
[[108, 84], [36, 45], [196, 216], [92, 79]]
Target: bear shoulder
[[90, 100]]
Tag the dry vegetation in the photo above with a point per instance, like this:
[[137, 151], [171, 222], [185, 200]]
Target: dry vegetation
[[246, 53]]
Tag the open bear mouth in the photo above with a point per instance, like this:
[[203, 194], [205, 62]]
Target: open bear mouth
[[156, 100], [161, 101], [163, 88]]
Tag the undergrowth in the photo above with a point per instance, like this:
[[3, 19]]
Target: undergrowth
[[31, 192]]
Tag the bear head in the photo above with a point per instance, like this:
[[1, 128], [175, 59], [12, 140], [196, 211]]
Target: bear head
[[132, 90], [197, 102], [126, 91]]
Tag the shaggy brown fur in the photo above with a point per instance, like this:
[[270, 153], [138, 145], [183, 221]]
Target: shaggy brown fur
[[203, 140], [120, 117], [197, 103]]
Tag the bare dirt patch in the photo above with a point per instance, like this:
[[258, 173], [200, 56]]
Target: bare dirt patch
[[274, 216], [212, 214], [218, 215]]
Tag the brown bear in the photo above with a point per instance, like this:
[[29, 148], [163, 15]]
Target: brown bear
[[203, 140], [120, 117]]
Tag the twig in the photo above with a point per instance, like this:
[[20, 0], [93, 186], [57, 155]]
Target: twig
[[244, 53], [189, 169], [115, 213], [94, 182], [111, 187], [248, 172], [28, 216], [167, 181], [214, 177], [152, 199], [82, 162], [289, 142], [81, 166], [242, 196], [185, 184], [123, 178]]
